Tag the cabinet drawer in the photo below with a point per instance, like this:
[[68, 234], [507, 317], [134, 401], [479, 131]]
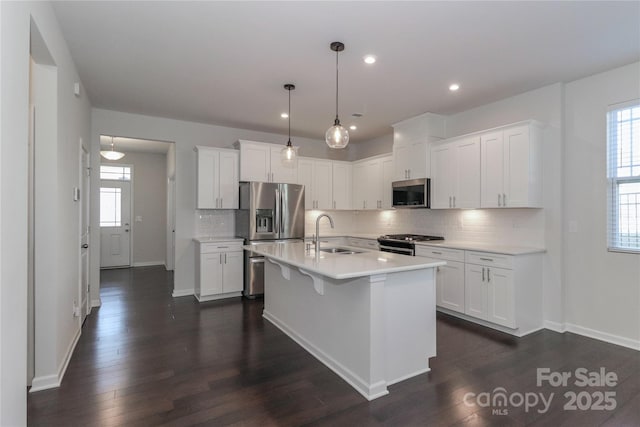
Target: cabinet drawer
[[207, 248], [489, 259], [440, 253]]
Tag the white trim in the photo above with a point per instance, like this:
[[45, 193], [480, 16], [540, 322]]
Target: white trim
[[217, 297], [96, 302], [369, 391], [411, 375], [517, 332], [147, 263], [555, 326], [182, 292], [604, 336], [53, 381]]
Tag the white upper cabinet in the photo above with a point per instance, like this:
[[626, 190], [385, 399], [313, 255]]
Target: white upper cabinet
[[342, 185], [217, 178], [372, 183], [443, 173], [327, 183], [467, 173], [262, 162], [511, 168], [410, 145]]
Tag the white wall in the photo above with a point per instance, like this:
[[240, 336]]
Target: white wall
[[149, 236], [602, 288], [73, 123], [186, 136]]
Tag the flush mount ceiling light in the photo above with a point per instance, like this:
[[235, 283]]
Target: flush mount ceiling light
[[289, 152], [454, 87], [111, 154], [337, 136], [369, 59]]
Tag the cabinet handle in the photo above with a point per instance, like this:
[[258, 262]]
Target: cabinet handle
[[334, 204], [220, 258], [486, 259], [488, 275], [499, 204], [449, 201], [225, 258], [454, 201], [438, 269], [483, 274], [409, 173], [437, 253], [504, 200]]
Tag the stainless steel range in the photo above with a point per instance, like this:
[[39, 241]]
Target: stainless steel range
[[403, 243]]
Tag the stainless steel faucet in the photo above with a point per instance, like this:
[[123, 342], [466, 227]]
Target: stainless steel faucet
[[317, 242]]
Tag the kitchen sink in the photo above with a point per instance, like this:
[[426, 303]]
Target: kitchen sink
[[342, 251]]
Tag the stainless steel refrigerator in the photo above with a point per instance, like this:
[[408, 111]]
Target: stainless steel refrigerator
[[269, 213]]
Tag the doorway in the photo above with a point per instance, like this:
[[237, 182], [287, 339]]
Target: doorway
[[115, 216]]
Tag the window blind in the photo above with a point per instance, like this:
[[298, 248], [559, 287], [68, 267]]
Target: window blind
[[623, 174]]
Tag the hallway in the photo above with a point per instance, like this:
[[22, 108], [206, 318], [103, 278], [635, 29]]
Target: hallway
[[145, 358]]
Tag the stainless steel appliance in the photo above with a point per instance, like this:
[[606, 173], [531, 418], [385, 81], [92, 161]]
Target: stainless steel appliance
[[403, 243], [268, 213], [412, 193]]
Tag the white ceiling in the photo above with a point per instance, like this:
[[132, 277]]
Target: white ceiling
[[129, 145], [226, 62]]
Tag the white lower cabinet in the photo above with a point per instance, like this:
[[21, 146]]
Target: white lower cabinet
[[219, 270], [496, 289], [363, 243]]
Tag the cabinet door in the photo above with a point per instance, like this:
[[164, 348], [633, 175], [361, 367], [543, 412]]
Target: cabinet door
[[282, 172], [359, 176], [442, 176], [451, 289], [228, 178], [501, 298], [342, 185], [323, 184], [255, 161], [418, 167], [517, 169], [402, 161], [211, 274], [492, 165], [387, 179], [467, 194], [475, 291], [232, 271], [207, 183], [305, 177], [373, 184]]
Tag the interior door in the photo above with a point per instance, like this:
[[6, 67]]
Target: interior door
[[85, 296], [115, 220]]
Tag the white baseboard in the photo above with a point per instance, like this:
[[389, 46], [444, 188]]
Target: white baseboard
[[166, 267], [147, 263], [518, 332], [603, 336], [96, 302], [182, 293], [555, 326], [53, 381], [369, 391]]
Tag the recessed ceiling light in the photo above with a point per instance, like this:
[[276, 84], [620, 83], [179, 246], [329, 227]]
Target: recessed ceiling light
[[369, 59], [454, 87], [353, 127], [284, 115]]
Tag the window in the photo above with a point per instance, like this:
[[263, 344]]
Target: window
[[623, 173], [110, 207], [118, 173]]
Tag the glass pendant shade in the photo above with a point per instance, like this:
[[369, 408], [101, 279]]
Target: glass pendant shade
[[111, 154], [337, 136], [288, 154]]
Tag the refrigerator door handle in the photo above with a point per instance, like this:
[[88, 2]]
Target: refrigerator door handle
[[277, 218], [281, 215]]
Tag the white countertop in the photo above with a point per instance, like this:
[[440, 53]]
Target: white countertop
[[342, 266], [356, 235], [211, 239], [483, 247]]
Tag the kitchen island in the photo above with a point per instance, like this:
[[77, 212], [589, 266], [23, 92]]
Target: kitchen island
[[369, 316]]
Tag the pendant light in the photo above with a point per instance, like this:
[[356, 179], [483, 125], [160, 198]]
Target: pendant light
[[337, 136], [111, 154], [288, 153]]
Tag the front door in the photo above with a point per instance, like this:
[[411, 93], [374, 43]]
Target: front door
[[115, 219]]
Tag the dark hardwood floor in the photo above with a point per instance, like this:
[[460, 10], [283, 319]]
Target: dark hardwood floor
[[145, 358]]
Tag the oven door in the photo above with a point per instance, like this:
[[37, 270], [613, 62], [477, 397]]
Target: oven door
[[397, 250]]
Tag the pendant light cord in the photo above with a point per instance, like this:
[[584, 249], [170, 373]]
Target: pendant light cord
[[289, 116], [337, 84]]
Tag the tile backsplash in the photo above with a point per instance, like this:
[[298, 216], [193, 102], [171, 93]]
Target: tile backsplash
[[215, 223]]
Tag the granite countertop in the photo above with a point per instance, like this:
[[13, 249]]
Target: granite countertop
[[342, 266]]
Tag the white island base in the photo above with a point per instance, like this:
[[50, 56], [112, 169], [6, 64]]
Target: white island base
[[373, 331]]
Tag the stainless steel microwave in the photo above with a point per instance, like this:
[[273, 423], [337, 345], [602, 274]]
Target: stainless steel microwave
[[412, 193]]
